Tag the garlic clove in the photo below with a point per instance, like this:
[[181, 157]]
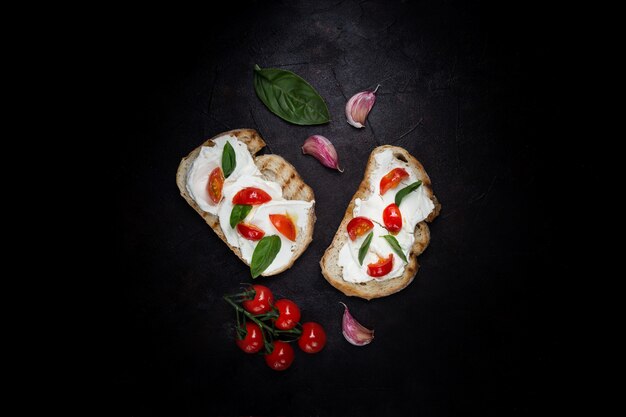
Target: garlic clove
[[353, 331], [359, 106], [323, 150]]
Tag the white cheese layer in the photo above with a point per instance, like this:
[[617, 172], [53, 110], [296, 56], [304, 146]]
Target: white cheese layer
[[415, 207]]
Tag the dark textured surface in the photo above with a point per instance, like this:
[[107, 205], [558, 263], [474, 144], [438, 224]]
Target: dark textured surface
[[467, 89]]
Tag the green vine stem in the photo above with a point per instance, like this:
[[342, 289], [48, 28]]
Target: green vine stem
[[271, 330]]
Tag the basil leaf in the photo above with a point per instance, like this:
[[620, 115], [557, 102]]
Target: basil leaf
[[364, 247], [406, 190], [393, 242], [240, 211], [229, 160], [290, 97], [264, 254]]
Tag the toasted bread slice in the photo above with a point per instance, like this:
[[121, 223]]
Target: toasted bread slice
[[375, 289], [273, 168]]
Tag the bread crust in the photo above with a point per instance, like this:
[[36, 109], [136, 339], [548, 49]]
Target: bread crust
[[375, 289], [273, 168]]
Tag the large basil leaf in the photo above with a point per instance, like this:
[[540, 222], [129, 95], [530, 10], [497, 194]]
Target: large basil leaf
[[290, 97], [264, 254], [393, 242], [406, 190], [229, 159], [364, 247], [240, 211]]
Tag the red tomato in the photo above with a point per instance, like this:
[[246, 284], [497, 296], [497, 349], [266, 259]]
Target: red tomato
[[380, 268], [215, 185], [250, 231], [392, 218], [313, 338], [284, 225], [281, 357], [253, 342], [288, 314], [261, 302], [251, 196], [392, 179], [359, 226]]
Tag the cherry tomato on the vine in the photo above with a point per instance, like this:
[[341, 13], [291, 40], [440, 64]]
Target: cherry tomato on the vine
[[281, 357], [380, 268], [251, 196], [392, 179], [313, 338], [250, 231], [253, 342], [215, 185], [288, 314], [262, 301], [359, 226], [392, 218]]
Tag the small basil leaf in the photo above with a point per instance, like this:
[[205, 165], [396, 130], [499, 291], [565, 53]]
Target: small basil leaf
[[290, 97], [365, 246], [229, 159], [406, 190], [264, 254], [393, 242], [240, 211]]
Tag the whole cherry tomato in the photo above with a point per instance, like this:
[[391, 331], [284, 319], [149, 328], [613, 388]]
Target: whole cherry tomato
[[288, 314], [313, 338], [253, 342], [215, 185], [262, 301], [250, 231], [359, 226], [392, 179], [251, 196], [380, 268], [284, 225], [281, 357], [392, 218]]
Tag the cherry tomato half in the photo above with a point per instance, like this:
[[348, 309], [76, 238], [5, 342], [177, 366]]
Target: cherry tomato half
[[313, 338], [359, 226], [284, 225], [281, 357], [392, 218], [288, 314], [392, 179], [215, 185], [253, 342], [262, 301], [251, 196], [250, 231], [380, 268]]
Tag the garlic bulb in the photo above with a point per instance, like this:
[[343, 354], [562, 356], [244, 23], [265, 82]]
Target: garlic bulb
[[353, 331], [359, 106], [323, 150]]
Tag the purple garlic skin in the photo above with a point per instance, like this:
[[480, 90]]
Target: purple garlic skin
[[353, 331], [323, 150], [359, 106]]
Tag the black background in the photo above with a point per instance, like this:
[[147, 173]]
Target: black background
[[473, 90]]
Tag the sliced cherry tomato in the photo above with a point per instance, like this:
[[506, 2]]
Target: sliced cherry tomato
[[284, 225], [392, 218], [261, 302], [392, 179], [359, 226], [215, 185], [281, 357], [288, 314], [313, 338], [380, 268], [251, 196], [253, 342], [250, 231]]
